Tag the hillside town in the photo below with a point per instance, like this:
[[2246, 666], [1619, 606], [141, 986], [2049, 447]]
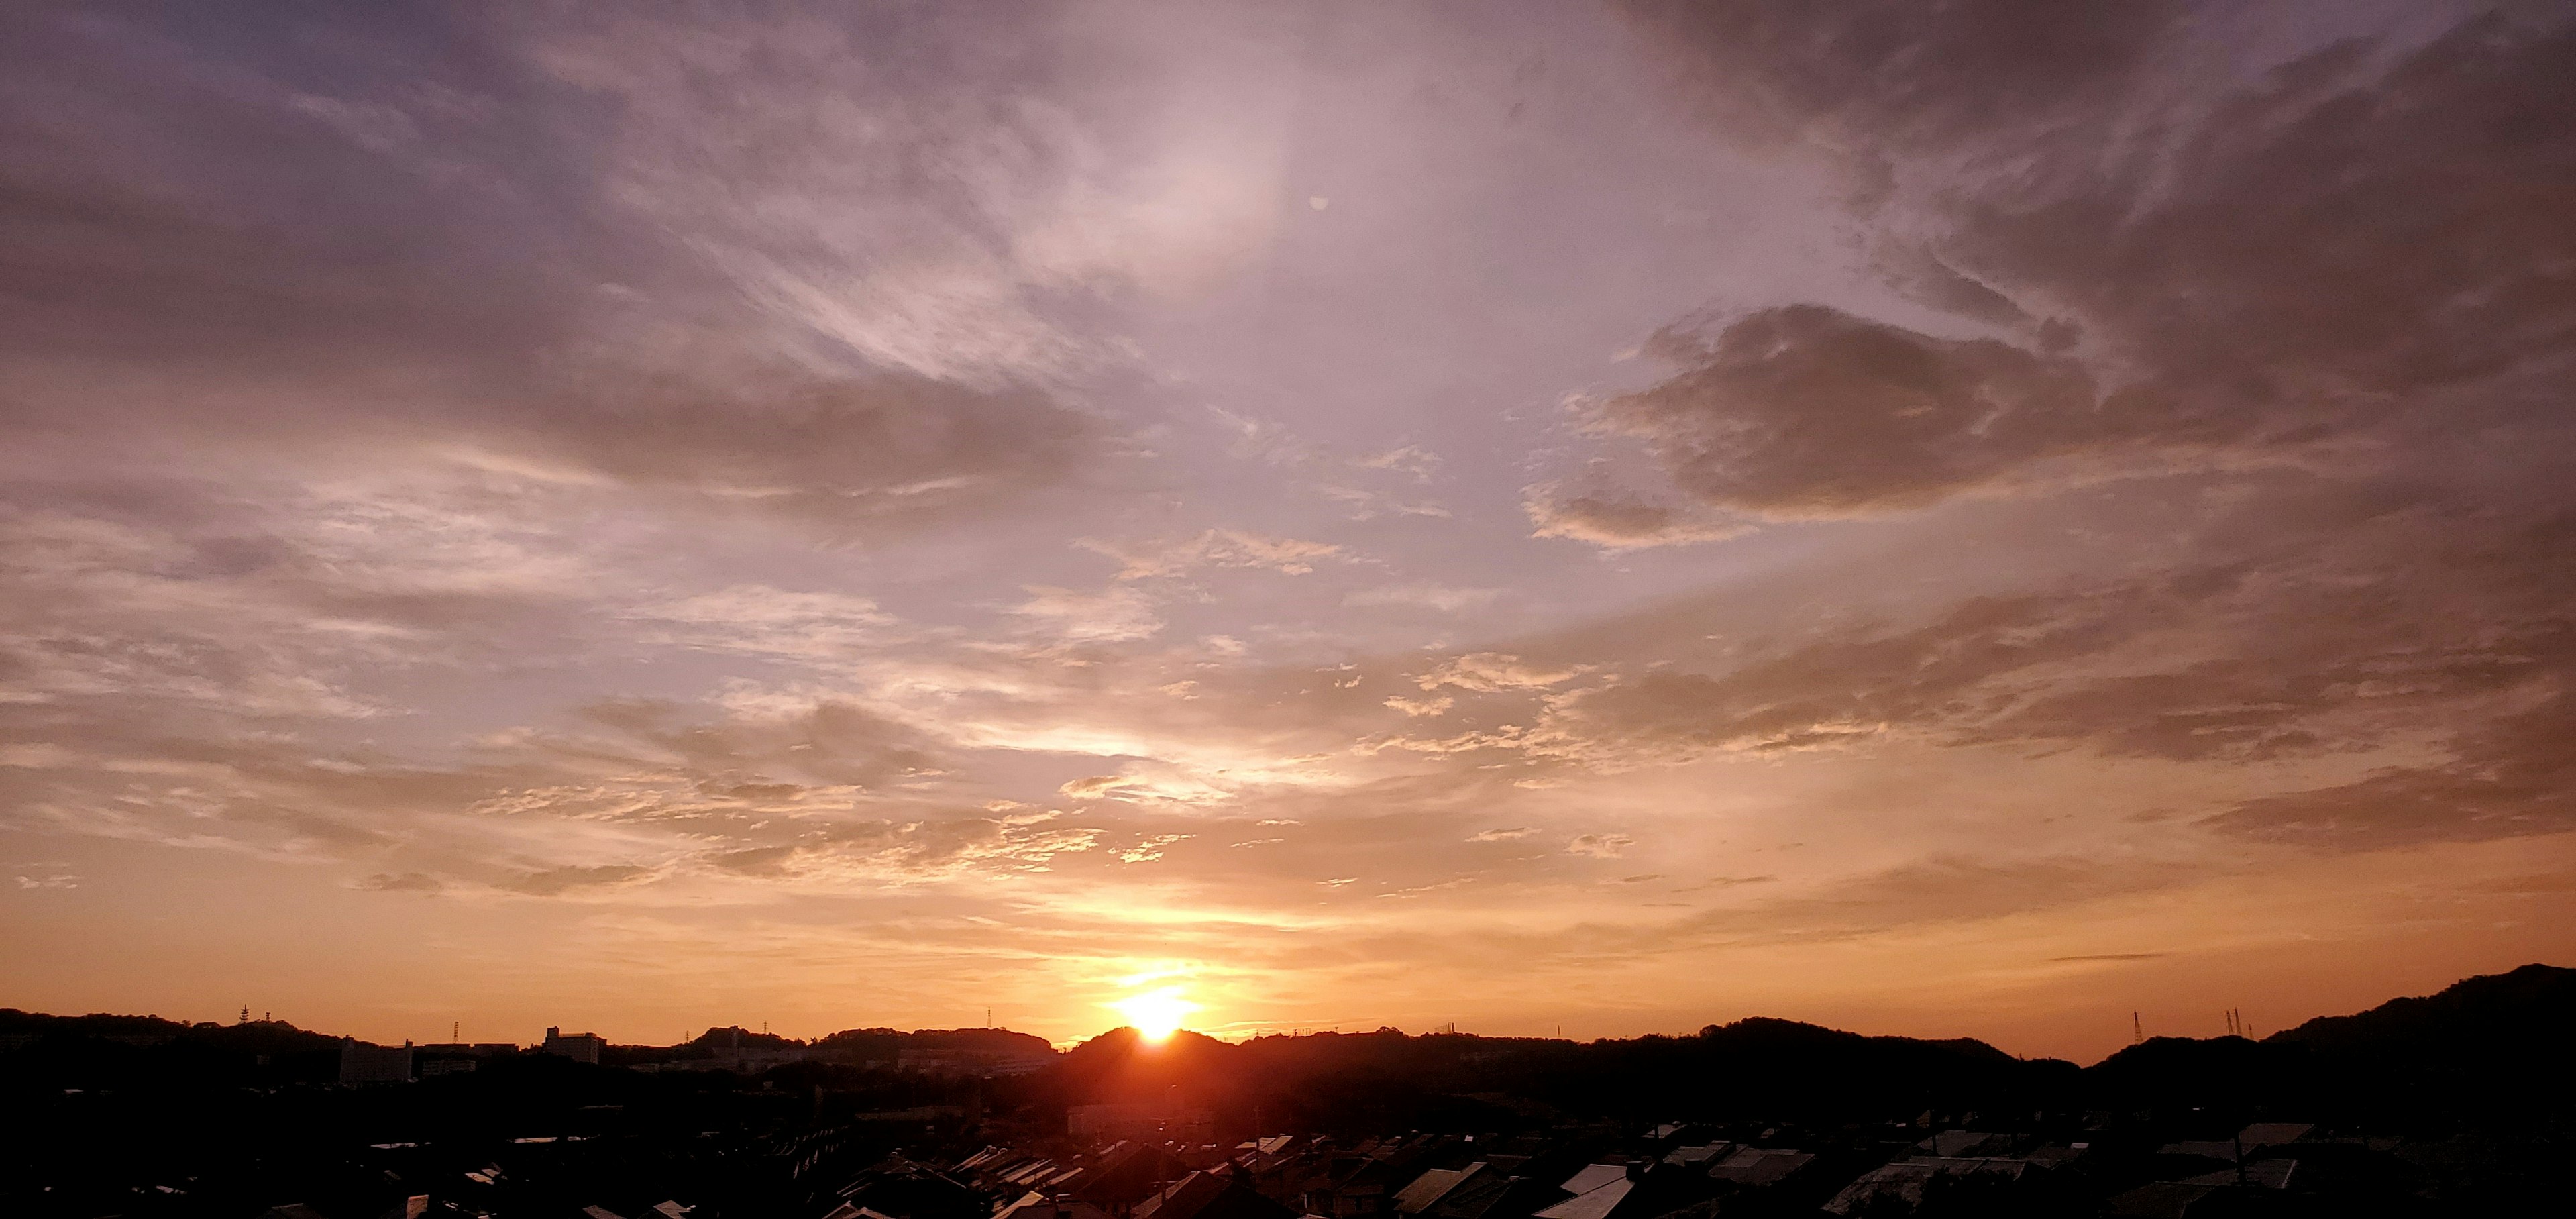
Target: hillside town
[[2450, 1104]]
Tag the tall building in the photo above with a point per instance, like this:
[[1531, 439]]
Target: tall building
[[364, 1063], [580, 1047]]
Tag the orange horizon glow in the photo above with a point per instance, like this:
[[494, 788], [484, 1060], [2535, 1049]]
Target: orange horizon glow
[[1155, 1014]]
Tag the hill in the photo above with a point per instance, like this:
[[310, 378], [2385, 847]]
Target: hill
[[2493, 1048]]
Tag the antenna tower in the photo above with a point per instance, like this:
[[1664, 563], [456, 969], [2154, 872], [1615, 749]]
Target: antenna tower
[[2137, 1029]]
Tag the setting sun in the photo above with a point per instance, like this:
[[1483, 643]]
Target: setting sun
[[1156, 1013]]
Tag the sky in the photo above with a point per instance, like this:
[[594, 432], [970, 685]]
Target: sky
[[1975, 519]]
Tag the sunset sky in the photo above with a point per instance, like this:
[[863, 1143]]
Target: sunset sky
[[1972, 519]]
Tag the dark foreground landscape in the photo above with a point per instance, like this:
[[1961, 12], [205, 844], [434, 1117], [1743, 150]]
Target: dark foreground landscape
[[2455, 1104]]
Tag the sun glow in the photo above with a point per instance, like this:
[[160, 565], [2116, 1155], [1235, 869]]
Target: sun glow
[[1157, 1013]]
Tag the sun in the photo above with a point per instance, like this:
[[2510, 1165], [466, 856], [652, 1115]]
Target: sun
[[1157, 1013]]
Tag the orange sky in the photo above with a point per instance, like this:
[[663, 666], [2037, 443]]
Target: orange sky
[[1972, 520]]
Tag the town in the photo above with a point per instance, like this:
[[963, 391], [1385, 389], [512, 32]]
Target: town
[[2455, 1103]]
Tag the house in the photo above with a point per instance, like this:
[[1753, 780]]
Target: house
[[1639, 1190], [1122, 1176], [1907, 1179], [1493, 1194], [1351, 1187], [1955, 1143], [1594, 1203], [1701, 1156], [1210, 1195], [1758, 1166], [1035, 1205], [1431, 1186], [901, 1187]]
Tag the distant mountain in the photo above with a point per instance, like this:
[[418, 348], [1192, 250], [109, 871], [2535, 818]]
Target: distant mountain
[[100, 1050], [1388, 1079], [2487, 1047], [2520, 1013], [248, 1037], [2495, 1044], [984, 1040], [971, 1051]]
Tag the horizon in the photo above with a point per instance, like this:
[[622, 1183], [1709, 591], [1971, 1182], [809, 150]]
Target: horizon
[[1955, 521], [1155, 1041]]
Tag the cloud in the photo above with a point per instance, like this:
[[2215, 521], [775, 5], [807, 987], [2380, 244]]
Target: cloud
[[1510, 834], [458, 274], [1422, 707], [758, 620], [853, 449], [1600, 846], [1151, 848], [1806, 411], [1439, 598], [1488, 672], [2505, 778], [2198, 280], [1893, 74], [1096, 786], [1620, 521], [1113, 615], [1407, 459], [1214, 548], [1942, 889], [555, 882]]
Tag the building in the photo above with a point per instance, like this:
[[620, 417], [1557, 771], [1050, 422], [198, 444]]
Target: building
[[364, 1063], [975, 1060], [1170, 1119], [580, 1047], [1209, 1195]]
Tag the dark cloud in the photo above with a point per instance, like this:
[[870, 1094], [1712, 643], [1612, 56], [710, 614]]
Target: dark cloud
[[173, 194], [2339, 627], [2358, 230], [416, 246], [1809, 411], [2334, 292], [884, 446], [555, 882], [2510, 776], [1903, 74], [1616, 520], [2347, 243], [824, 742]]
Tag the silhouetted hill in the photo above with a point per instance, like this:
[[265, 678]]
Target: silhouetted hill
[[2485, 1048], [2488, 1048], [2519, 1013], [734, 1036], [1391, 1079], [886, 1042]]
